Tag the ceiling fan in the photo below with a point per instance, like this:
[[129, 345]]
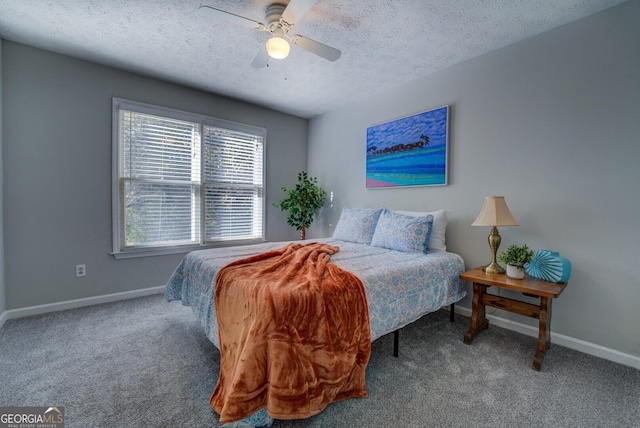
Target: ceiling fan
[[280, 19]]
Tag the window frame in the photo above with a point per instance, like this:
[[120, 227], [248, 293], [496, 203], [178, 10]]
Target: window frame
[[118, 250]]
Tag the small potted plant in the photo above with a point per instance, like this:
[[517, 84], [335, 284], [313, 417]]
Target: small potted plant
[[302, 202], [516, 257]]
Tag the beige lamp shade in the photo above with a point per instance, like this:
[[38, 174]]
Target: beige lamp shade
[[495, 213]]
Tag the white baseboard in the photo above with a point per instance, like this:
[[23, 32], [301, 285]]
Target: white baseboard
[[77, 303], [3, 318], [561, 339]]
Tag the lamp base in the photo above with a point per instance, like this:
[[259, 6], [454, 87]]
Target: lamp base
[[494, 243], [493, 267]]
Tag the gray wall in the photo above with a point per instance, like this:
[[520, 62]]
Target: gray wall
[[57, 173], [552, 123], [2, 292]]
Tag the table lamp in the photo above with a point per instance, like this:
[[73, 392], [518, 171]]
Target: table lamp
[[494, 213]]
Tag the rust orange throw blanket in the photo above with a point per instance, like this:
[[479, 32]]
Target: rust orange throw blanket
[[294, 334]]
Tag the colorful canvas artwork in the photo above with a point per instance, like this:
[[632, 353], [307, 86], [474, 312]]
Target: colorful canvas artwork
[[411, 151]]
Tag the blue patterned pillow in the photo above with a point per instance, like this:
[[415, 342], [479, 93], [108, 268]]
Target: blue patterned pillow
[[357, 225], [402, 233]]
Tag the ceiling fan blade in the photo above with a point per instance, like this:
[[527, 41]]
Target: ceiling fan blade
[[317, 48], [262, 58], [230, 17], [295, 10]]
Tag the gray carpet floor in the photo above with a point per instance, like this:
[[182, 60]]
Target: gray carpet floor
[[147, 363]]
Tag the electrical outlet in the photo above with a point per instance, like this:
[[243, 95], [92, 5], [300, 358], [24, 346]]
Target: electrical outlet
[[81, 270]]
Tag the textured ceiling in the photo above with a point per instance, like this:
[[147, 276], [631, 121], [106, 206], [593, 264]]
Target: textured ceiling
[[384, 43]]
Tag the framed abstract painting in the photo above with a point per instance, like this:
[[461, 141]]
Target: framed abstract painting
[[411, 151]]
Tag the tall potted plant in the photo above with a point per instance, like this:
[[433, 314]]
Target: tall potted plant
[[302, 202]]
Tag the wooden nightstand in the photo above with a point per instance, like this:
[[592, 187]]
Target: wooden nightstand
[[529, 286]]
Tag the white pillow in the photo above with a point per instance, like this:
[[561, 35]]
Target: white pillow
[[440, 219]]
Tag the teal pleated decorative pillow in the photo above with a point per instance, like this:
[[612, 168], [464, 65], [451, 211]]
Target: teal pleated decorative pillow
[[548, 265]]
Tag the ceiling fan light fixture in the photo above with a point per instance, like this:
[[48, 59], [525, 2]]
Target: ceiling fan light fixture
[[278, 48], [280, 19]]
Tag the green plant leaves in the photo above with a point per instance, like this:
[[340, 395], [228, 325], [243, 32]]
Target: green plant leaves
[[516, 255], [302, 202]]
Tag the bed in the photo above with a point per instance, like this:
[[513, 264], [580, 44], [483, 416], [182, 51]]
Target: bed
[[401, 283]]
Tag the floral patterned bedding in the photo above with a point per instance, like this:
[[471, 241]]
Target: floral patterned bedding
[[401, 287]]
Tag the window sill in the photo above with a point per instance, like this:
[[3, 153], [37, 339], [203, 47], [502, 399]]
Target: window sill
[[150, 252]]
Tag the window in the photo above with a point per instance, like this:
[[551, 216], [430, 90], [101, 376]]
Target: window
[[182, 179]]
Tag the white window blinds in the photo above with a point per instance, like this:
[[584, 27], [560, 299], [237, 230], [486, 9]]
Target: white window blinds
[[184, 179], [233, 184]]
